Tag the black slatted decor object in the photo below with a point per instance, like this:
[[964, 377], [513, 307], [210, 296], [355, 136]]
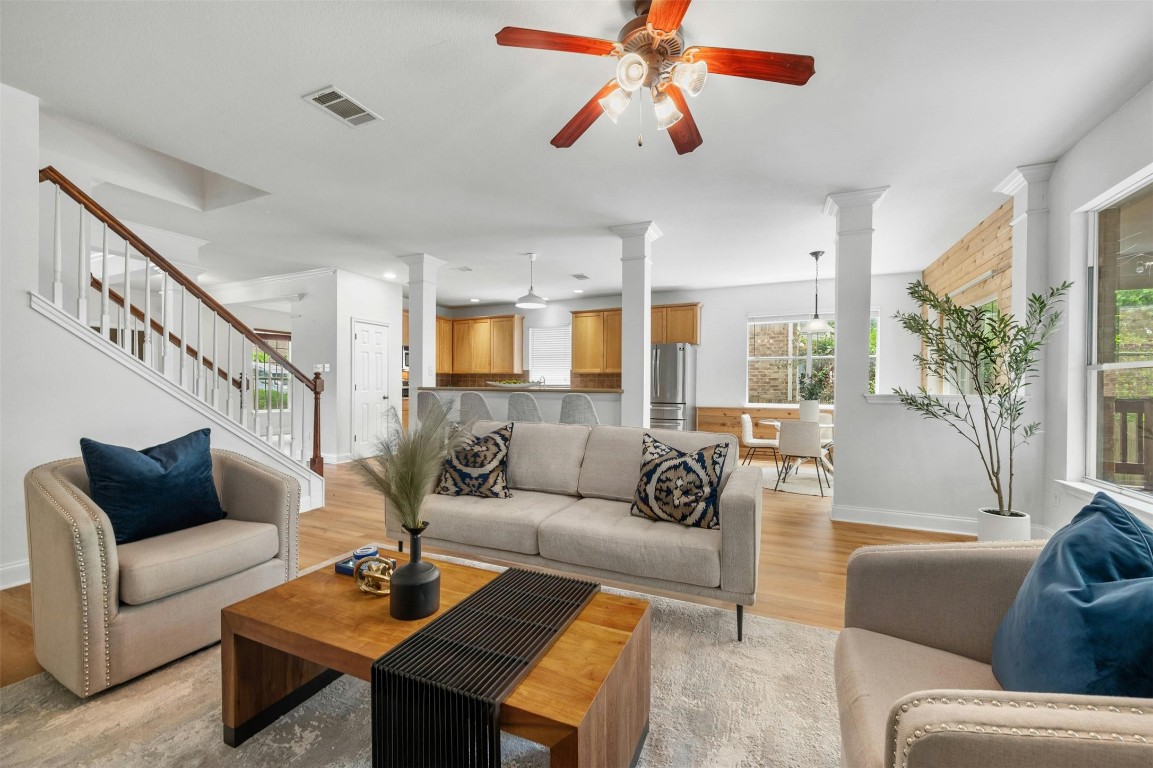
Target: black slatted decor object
[[436, 696]]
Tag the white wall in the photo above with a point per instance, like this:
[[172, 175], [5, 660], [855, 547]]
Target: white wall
[[722, 356], [1118, 149]]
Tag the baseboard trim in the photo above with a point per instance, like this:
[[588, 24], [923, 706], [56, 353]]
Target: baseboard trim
[[916, 521], [14, 574]]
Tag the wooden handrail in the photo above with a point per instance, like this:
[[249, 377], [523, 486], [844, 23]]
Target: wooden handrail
[[48, 173]]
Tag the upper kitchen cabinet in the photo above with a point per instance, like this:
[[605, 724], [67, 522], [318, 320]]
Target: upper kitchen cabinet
[[404, 327], [676, 323], [488, 344], [443, 345], [596, 341]]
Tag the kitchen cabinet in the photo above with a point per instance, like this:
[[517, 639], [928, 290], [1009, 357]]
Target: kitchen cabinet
[[404, 327], [596, 341], [443, 345], [404, 412], [676, 323], [488, 344], [612, 341]]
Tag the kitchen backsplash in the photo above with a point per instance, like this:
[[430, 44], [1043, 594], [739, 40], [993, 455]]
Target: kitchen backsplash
[[579, 380], [596, 381]]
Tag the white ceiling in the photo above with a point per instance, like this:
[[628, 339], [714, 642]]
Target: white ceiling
[[940, 100]]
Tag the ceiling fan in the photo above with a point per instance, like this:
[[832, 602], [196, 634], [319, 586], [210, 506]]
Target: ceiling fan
[[651, 53]]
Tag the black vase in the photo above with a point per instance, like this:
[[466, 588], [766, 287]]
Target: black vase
[[415, 586]]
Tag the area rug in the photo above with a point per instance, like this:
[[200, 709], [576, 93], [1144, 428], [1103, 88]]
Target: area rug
[[804, 483], [767, 701]]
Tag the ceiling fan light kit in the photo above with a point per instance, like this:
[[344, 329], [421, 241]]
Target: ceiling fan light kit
[[650, 52]]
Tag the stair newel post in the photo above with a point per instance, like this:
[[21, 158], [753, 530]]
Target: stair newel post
[[316, 464], [147, 345], [228, 371], [126, 309], [105, 318], [57, 252], [83, 272]]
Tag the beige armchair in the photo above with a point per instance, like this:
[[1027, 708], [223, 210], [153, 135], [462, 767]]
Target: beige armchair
[[914, 683], [104, 613]]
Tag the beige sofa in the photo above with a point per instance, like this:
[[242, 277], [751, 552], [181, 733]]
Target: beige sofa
[[914, 683], [104, 613], [572, 486]]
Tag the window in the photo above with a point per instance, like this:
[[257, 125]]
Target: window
[[550, 354], [780, 355], [1121, 363], [271, 389], [965, 383]]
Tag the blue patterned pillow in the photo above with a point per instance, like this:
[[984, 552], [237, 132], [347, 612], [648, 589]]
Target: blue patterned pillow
[[478, 467], [680, 487]]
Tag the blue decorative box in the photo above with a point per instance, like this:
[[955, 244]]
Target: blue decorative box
[[345, 567]]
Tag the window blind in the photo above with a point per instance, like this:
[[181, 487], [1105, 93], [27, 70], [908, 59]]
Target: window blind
[[550, 353]]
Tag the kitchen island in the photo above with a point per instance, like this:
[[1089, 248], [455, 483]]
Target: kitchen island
[[606, 401]]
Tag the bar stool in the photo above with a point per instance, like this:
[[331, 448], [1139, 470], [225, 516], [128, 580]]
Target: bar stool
[[473, 407], [522, 407], [577, 408]]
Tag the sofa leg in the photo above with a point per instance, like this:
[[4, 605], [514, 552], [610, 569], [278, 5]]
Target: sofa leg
[[740, 623], [400, 545]]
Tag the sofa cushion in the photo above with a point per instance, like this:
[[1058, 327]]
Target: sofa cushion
[[153, 491], [1088, 602], [679, 486], [509, 524], [174, 562], [611, 467], [873, 671], [600, 533], [478, 466], [542, 456]]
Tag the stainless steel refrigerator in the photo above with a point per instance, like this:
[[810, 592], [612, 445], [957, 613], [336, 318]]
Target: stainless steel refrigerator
[[673, 393]]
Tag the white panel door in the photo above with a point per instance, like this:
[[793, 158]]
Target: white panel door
[[369, 385]]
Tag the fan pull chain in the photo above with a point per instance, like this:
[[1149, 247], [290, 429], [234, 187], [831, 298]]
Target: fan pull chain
[[640, 122]]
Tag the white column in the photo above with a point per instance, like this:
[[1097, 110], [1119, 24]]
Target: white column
[[1029, 186], [636, 319], [421, 323], [854, 264]]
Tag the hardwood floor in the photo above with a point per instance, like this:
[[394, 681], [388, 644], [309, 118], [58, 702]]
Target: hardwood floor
[[802, 573]]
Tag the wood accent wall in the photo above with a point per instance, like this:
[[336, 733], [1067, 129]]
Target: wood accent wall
[[727, 420], [987, 248]]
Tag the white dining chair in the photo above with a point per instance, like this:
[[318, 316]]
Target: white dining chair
[[577, 408], [800, 441], [522, 407], [755, 444], [473, 407]]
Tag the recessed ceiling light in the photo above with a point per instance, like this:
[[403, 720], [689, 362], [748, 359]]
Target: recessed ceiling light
[[389, 275], [578, 290], [546, 298], [475, 301]]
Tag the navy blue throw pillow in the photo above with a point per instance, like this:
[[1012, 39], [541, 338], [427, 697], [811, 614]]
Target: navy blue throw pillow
[[158, 490], [1082, 622]]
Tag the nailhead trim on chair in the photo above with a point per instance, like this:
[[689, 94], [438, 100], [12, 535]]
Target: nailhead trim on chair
[[900, 759], [287, 506]]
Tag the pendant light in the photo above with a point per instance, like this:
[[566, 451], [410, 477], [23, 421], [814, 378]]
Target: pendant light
[[816, 325], [530, 300]]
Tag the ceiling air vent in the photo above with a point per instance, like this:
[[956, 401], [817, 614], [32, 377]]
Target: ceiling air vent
[[579, 276], [461, 269], [341, 107]]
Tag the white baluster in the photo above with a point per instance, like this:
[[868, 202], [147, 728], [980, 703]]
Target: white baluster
[[148, 313], [105, 319], [280, 403], [165, 324], [215, 364], [268, 403], [57, 254], [83, 272], [126, 315], [229, 370], [198, 366], [242, 414], [183, 333]]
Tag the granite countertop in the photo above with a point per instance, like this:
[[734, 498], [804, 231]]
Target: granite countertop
[[557, 390]]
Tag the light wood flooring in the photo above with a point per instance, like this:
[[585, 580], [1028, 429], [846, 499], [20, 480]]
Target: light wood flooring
[[802, 573]]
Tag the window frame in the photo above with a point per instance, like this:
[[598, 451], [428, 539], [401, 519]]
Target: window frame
[[567, 333]]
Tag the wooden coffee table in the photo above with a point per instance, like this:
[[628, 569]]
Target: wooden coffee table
[[587, 700]]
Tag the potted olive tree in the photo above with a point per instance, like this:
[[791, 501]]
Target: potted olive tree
[[810, 390], [987, 358]]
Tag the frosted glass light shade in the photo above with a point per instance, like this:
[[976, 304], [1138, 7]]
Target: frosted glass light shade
[[816, 325], [690, 78], [631, 72], [667, 113], [615, 103]]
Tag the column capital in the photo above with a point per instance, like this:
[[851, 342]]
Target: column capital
[[1024, 175], [421, 266], [836, 201], [648, 229]]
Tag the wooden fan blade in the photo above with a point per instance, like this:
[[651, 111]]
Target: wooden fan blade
[[787, 68], [683, 132], [519, 37], [581, 121], [666, 15]]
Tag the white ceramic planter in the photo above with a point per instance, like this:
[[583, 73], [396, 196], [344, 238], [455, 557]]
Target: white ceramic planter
[[810, 410], [994, 527]]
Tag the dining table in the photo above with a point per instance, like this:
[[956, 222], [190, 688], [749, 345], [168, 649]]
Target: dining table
[[826, 442]]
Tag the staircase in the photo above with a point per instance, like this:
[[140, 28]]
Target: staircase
[[120, 295]]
